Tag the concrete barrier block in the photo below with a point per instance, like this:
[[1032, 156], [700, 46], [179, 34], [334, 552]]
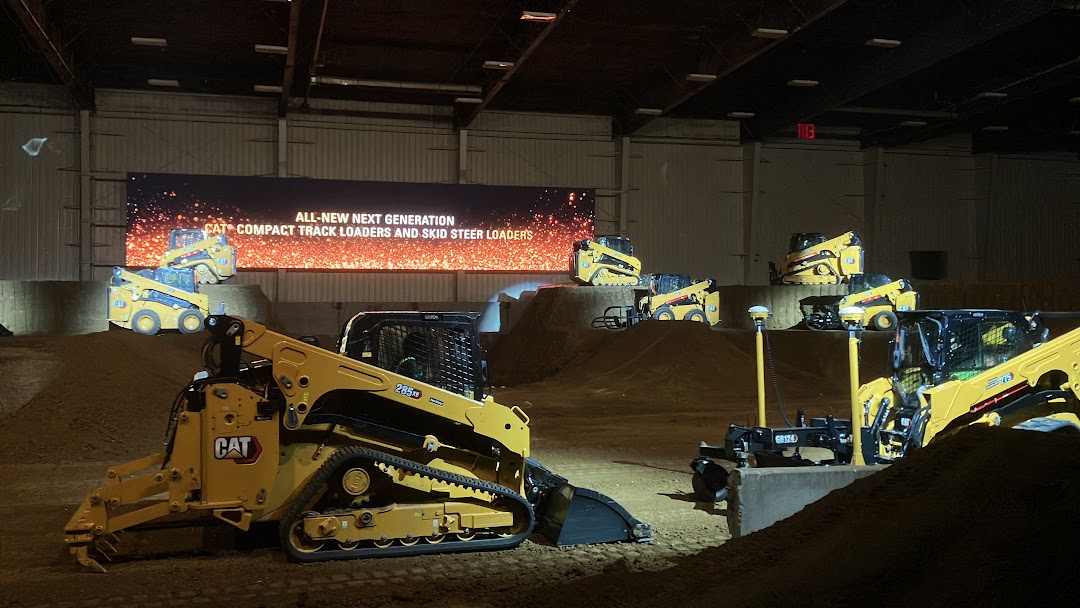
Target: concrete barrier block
[[760, 497]]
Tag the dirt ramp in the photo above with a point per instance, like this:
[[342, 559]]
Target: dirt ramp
[[103, 396], [961, 522]]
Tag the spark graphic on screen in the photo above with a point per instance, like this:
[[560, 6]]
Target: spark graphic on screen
[[337, 225]]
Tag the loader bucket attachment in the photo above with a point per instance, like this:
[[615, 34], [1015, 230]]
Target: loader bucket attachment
[[567, 515]]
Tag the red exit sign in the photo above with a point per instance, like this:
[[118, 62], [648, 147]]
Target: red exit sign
[[806, 130]]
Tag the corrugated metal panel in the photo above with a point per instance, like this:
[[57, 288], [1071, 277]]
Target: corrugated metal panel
[[1034, 219], [803, 189], [541, 124], [39, 196], [542, 161], [23, 96], [197, 144], [927, 203], [366, 287], [159, 104], [487, 286], [170, 133], [685, 209], [336, 150]]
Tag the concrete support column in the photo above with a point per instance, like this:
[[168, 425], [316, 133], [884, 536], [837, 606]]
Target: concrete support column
[[752, 228], [983, 217], [282, 171], [624, 184], [282, 148], [871, 205], [86, 217], [463, 157]]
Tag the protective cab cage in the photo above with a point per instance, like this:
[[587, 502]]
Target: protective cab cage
[[437, 348]]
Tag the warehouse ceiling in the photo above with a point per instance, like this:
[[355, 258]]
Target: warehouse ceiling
[[882, 72]]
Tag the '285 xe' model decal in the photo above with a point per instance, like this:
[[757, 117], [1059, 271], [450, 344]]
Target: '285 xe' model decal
[[244, 449], [408, 391]]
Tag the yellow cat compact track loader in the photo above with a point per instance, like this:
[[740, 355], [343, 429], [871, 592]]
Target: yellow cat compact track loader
[[386, 448], [211, 257], [813, 260], [605, 260], [877, 295], [670, 297], [951, 369]]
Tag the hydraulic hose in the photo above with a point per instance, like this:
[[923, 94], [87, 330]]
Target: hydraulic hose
[[775, 383]]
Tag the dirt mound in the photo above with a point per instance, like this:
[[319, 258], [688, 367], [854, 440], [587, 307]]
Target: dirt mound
[[687, 359], [554, 329], [965, 521], [94, 397]]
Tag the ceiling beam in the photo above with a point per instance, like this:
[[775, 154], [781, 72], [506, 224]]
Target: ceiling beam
[[896, 112], [290, 58], [466, 116], [32, 19], [975, 113], [728, 58], [868, 72]]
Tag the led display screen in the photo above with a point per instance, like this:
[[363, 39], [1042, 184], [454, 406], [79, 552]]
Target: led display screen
[[295, 223]]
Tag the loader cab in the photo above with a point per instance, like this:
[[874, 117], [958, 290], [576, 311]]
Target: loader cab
[[439, 349], [182, 237], [859, 283], [801, 241], [620, 244], [933, 347], [668, 283]]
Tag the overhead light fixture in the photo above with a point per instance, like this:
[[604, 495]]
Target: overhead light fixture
[[700, 77], [741, 114], [468, 100], [537, 16], [885, 43], [768, 32], [1075, 100], [800, 82], [140, 41], [991, 95], [158, 82], [913, 123], [267, 88], [498, 65], [271, 49], [995, 128], [648, 111]]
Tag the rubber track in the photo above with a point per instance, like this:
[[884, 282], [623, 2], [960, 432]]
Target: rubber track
[[353, 454]]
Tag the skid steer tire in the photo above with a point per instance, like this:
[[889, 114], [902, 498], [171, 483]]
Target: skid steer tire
[[190, 321], [664, 313], [145, 322], [884, 321], [695, 315]]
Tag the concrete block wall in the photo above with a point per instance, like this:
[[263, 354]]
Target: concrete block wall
[[80, 307]]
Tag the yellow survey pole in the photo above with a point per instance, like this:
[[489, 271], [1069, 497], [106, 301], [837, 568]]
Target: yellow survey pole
[[852, 317], [759, 314]]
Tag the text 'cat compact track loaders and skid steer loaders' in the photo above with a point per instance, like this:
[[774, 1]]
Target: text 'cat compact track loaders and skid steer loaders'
[[877, 295], [813, 260], [951, 369], [670, 297], [605, 260], [211, 257], [347, 457]]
